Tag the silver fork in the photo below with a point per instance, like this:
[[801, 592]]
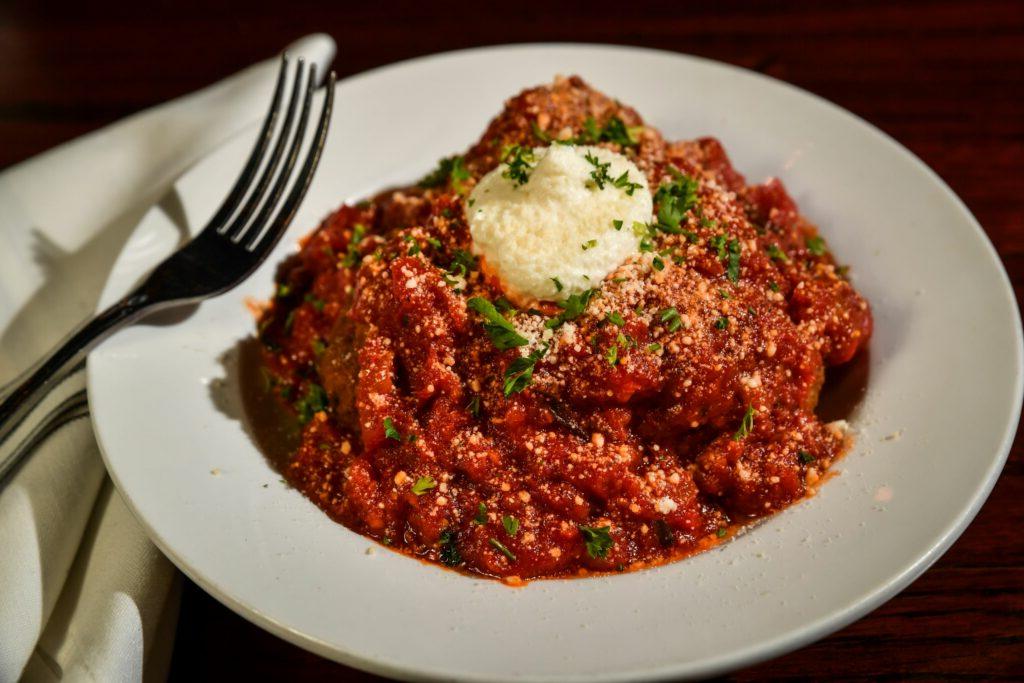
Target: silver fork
[[227, 250]]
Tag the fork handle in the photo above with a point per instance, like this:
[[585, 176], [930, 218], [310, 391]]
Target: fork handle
[[31, 386]]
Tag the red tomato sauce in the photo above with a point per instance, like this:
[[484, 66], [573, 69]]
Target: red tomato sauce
[[674, 405]]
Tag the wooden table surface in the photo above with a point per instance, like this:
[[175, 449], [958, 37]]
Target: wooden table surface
[[944, 78]]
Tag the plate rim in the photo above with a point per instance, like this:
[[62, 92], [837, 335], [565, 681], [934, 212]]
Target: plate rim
[[735, 659]]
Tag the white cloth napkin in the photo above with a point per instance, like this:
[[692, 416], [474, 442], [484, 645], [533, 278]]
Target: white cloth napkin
[[84, 594]]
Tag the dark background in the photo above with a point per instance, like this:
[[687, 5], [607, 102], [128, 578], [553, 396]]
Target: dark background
[[944, 78]]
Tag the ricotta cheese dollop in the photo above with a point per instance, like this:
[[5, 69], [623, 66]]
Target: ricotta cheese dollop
[[554, 221]]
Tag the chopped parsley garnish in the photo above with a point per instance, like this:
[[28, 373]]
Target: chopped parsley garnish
[[733, 268], [390, 431], [448, 169], [773, 285], [612, 354], [728, 251], [653, 347], [481, 514], [599, 176], [434, 242], [724, 294], [674, 199], [504, 305], [502, 549], [671, 316], [503, 335], [598, 540], [722, 531], [449, 552], [423, 484], [316, 303], [746, 426], [805, 457], [518, 160], [615, 318], [520, 372], [283, 290], [816, 245], [777, 254], [624, 183], [589, 244], [558, 284], [617, 224], [474, 406], [352, 255], [615, 130], [311, 403], [572, 308], [722, 323], [414, 247], [318, 347], [657, 263], [462, 261], [511, 524]]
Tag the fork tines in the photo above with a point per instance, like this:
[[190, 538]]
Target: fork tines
[[235, 220]]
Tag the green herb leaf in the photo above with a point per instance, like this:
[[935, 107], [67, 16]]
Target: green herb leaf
[[589, 244], [805, 457], [502, 549], [617, 224], [503, 335], [616, 131], [481, 514], [558, 284], [657, 263], [390, 431], [511, 524], [721, 532], [518, 161], [777, 254], [572, 308], [352, 255], [746, 426], [450, 169], [520, 372], [674, 199], [423, 484], [624, 183], [598, 540], [318, 304], [311, 403], [773, 285], [816, 245], [474, 406], [671, 317], [653, 347], [732, 270], [449, 552], [612, 354], [615, 318], [722, 323], [283, 290], [599, 176]]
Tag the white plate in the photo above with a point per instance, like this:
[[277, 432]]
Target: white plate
[[945, 377]]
